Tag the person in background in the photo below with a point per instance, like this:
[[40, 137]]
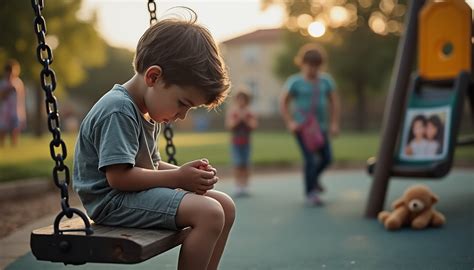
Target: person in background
[[12, 103], [241, 121], [303, 91]]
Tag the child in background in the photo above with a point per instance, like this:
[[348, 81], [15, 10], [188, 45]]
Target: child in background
[[12, 103], [118, 173], [241, 121]]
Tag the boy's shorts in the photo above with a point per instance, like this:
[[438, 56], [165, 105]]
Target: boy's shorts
[[152, 208], [240, 155]]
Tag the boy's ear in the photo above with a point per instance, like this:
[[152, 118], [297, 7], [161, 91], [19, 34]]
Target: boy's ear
[[152, 75]]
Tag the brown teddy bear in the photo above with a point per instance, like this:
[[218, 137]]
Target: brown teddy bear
[[414, 208]]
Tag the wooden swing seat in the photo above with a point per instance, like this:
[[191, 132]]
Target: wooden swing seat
[[106, 245]]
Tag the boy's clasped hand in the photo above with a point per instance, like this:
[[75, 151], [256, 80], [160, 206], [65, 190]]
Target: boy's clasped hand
[[198, 176]]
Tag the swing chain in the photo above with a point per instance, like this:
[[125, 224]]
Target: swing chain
[[48, 84], [152, 10], [168, 131], [170, 148]]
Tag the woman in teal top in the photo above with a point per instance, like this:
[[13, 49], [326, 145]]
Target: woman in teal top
[[311, 91]]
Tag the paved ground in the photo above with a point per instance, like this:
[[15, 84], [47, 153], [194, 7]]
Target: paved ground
[[275, 231]]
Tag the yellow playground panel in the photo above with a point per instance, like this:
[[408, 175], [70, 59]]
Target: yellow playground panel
[[444, 39]]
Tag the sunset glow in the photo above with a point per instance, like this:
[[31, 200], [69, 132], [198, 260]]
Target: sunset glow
[[317, 29], [225, 19]]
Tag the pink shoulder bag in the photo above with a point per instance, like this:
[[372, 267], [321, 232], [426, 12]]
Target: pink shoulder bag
[[310, 130]]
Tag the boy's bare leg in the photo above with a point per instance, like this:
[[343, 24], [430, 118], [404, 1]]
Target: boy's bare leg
[[229, 212], [206, 217]]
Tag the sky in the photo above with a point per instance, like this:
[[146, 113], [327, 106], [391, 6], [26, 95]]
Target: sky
[[122, 22]]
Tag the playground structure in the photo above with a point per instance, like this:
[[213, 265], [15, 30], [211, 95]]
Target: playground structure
[[442, 31], [65, 242]]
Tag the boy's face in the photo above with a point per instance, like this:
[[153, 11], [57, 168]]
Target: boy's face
[[168, 104]]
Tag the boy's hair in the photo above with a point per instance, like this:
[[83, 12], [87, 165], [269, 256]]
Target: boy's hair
[[243, 92], [188, 56], [310, 54]]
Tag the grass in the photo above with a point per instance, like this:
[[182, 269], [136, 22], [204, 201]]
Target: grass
[[32, 158]]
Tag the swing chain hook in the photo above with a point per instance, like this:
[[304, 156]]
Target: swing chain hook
[[48, 84]]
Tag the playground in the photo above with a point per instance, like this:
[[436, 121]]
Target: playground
[[274, 230], [279, 224]]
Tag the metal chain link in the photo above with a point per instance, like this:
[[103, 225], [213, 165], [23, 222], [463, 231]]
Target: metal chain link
[[168, 131], [152, 10], [48, 84], [170, 148]]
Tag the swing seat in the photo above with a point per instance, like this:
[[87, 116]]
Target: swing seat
[[430, 97], [429, 170], [106, 245]]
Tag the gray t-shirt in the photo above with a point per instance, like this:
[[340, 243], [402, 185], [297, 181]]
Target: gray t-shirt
[[113, 132]]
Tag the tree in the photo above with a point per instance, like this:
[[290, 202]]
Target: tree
[[75, 42], [101, 79], [360, 38]]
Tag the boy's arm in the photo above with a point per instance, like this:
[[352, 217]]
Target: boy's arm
[[189, 177], [335, 107], [162, 165], [127, 178]]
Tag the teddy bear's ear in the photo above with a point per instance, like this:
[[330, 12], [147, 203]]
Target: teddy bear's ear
[[397, 203], [434, 198]]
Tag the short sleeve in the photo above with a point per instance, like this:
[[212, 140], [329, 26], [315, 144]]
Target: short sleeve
[[331, 84], [290, 85], [116, 140]]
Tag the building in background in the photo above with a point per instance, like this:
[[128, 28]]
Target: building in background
[[250, 59]]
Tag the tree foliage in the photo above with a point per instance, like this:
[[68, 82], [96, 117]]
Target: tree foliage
[[361, 43], [101, 79], [75, 42]]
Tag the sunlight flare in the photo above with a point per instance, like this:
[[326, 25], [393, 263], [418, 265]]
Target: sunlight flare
[[317, 29]]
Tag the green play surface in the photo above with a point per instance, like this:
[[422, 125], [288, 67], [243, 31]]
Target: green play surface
[[274, 230]]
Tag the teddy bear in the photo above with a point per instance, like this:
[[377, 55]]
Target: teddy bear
[[414, 208]]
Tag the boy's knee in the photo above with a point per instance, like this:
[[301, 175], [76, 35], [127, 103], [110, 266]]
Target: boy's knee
[[229, 209], [212, 216]]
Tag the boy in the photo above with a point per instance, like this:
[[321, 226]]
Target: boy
[[118, 173]]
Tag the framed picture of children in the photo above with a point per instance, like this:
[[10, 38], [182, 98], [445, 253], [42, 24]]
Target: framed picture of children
[[426, 134]]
